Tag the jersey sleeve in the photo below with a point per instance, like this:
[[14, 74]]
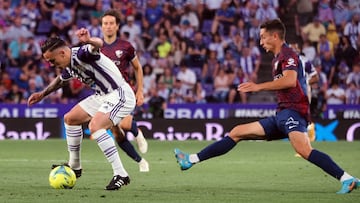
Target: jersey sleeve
[[87, 54], [65, 75]]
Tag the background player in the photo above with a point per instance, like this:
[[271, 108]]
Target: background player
[[123, 53], [291, 119]]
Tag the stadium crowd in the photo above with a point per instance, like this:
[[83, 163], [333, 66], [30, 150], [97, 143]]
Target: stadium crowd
[[192, 51]]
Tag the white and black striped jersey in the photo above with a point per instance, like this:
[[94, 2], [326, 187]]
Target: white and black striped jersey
[[94, 69]]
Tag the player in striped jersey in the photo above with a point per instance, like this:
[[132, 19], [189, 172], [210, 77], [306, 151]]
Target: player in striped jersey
[[123, 54], [112, 101]]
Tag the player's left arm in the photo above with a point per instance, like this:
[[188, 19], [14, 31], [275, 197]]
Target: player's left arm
[[139, 80], [288, 80]]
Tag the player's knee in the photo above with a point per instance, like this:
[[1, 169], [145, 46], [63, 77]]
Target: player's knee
[[70, 119]]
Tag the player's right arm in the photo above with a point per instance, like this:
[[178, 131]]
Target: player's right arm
[[53, 86]]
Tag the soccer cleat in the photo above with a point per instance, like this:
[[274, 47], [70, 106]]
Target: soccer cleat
[[349, 185], [117, 181], [141, 142], [76, 171], [183, 159], [143, 166]]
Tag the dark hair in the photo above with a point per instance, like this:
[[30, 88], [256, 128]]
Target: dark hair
[[114, 13], [274, 26], [52, 43]]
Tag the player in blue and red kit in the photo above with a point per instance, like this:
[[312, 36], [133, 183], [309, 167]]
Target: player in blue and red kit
[[122, 53], [292, 115]]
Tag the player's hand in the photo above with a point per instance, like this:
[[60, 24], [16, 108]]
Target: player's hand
[[139, 98], [83, 35], [248, 87], [35, 98]]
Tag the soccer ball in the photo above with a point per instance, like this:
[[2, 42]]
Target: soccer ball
[[62, 177]]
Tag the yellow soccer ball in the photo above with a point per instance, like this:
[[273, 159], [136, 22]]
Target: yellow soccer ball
[[62, 177]]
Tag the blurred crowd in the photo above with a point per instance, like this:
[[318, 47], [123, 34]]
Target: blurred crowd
[[192, 51]]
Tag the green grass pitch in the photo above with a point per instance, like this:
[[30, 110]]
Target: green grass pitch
[[251, 172]]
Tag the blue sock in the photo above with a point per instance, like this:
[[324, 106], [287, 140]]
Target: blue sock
[[216, 149], [323, 161], [134, 129], [127, 147]]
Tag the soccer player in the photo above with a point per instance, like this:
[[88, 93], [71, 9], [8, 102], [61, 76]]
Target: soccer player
[[292, 116], [123, 53], [112, 101]]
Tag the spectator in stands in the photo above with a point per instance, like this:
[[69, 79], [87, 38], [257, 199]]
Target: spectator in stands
[[84, 9], [328, 64], [240, 28], [178, 93], [178, 48], [153, 13], [73, 40], [345, 51], [187, 77], [249, 64], [342, 73], [313, 30], [31, 50], [309, 50], [234, 95], [149, 81], [265, 12], [6, 80], [134, 31], [222, 82], [254, 29], [197, 96], [185, 30], [5, 11], [335, 94], [31, 15], [210, 68], [15, 95], [162, 91], [17, 30], [324, 46], [196, 50], [94, 27], [167, 78], [3, 93], [235, 45], [148, 33], [352, 94], [13, 52], [224, 18], [354, 75], [157, 104], [190, 16], [332, 35], [46, 8], [61, 18], [352, 29], [325, 12], [342, 15], [217, 44]]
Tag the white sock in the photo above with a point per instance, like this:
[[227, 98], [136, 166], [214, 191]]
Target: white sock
[[345, 176], [107, 146], [194, 158], [74, 137]]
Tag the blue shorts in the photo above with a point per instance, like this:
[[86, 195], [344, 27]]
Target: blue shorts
[[279, 126]]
